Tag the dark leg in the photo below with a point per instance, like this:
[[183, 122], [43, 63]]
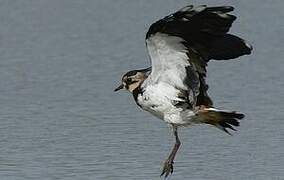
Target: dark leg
[[168, 165]]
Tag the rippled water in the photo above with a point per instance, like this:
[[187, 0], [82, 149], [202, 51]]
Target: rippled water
[[60, 119]]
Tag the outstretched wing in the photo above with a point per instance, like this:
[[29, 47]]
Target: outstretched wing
[[181, 44]]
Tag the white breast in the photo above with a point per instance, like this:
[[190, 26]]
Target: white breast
[[158, 100]]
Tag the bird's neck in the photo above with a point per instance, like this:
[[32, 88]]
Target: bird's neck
[[138, 90]]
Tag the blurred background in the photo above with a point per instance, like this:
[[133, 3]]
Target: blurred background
[[60, 119]]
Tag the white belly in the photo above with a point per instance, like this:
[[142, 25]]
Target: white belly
[[159, 101]]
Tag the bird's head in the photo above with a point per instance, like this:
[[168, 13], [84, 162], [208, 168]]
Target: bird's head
[[132, 79]]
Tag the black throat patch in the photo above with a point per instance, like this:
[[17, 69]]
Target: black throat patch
[[135, 94]]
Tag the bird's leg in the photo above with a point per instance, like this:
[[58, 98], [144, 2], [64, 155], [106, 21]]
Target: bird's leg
[[168, 165]]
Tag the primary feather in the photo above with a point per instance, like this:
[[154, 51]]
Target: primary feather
[[181, 44]]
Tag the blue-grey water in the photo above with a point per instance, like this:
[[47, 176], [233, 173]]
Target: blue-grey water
[[60, 119]]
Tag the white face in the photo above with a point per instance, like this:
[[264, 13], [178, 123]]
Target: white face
[[132, 82]]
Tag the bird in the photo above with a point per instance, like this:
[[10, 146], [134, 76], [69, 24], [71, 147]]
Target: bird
[[174, 87]]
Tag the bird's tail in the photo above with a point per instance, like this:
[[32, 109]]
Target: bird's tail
[[220, 118]]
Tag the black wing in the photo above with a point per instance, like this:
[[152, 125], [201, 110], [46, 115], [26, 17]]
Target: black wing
[[204, 31]]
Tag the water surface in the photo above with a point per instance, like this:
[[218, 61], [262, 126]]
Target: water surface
[[60, 119]]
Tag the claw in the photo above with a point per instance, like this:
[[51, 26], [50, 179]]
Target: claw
[[168, 169]]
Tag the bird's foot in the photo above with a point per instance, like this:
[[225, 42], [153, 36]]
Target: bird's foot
[[168, 168]]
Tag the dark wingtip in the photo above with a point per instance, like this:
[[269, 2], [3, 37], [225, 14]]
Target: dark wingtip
[[223, 9], [229, 47], [249, 47]]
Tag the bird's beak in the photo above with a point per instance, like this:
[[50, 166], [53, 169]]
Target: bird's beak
[[119, 87]]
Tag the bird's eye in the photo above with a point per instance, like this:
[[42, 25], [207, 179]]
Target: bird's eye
[[128, 80]]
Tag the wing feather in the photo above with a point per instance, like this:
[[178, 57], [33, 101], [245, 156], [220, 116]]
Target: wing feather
[[181, 44]]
